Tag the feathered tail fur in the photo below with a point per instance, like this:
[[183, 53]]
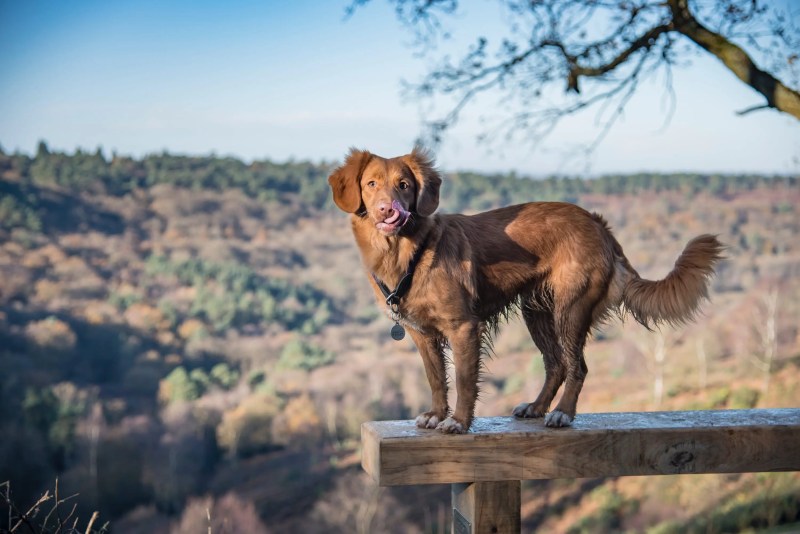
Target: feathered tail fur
[[675, 299]]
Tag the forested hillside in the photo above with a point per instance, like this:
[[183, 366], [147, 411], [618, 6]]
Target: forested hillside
[[182, 333]]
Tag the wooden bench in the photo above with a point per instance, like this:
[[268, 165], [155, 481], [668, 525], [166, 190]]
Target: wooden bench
[[486, 465]]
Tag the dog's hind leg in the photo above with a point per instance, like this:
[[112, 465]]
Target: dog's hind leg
[[542, 329], [431, 350], [572, 325]]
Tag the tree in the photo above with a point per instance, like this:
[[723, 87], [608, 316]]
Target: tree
[[179, 386], [599, 51]]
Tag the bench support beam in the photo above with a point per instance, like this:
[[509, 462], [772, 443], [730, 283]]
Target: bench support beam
[[486, 507]]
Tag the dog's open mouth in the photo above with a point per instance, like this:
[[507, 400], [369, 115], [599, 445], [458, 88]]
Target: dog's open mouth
[[395, 221]]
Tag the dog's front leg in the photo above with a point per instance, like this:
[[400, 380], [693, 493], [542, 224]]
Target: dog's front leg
[[466, 344], [431, 349]]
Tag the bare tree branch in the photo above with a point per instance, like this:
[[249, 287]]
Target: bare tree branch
[[737, 60], [600, 64], [645, 42]]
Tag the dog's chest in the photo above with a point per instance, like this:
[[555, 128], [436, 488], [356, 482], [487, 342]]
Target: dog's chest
[[409, 318]]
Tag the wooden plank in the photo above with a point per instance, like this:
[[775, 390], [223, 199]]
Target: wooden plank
[[487, 507], [597, 445]]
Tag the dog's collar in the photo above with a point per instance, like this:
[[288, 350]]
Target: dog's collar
[[393, 297]]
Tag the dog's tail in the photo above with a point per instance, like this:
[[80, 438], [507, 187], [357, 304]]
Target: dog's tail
[[675, 299]]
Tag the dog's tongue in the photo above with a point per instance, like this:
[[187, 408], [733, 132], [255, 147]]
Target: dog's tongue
[[393, 218], [399, 212]]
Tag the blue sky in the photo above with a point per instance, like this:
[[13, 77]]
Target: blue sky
[[280, 80]]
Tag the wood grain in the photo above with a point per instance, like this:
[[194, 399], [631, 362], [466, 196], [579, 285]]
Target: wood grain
[[597, 445]]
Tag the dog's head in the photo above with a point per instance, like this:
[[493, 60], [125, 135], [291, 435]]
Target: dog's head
[[387, 191]]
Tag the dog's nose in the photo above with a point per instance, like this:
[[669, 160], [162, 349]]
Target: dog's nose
[[385, 208]]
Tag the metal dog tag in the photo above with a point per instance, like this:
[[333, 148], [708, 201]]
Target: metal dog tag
[[398, 332]]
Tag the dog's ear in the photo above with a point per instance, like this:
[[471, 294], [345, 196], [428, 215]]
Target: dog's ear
[[346, 180], [428, 180]]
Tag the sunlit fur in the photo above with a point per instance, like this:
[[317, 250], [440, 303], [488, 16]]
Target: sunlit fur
[[555, 264]]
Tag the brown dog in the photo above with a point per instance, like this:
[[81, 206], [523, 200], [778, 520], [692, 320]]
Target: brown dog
[[556, 263]]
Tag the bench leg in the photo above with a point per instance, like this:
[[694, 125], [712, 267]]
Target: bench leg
[[486, 507]]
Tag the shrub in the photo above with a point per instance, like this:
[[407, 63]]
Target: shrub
[[224, 376], [178, 386], [247, 429], [300, 418], [297, 354], [743, 398], [612, 507], [15, 214], [51, 334]]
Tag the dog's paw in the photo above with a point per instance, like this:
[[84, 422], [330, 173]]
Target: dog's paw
[[427, 420], [451, 426], [557, 419], [527, 410]]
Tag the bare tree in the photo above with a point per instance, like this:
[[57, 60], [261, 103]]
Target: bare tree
[[702, 363], [654, 346], [766, 329], [599, 51], [659, 364]]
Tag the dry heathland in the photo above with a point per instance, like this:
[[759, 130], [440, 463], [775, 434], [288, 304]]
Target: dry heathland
[[182, 334]]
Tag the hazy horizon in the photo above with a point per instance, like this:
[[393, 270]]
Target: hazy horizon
[[110, 153]]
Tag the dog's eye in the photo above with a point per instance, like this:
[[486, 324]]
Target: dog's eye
[[371, 183], [403, 185]]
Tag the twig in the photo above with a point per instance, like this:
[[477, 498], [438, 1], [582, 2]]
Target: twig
[[23, 517], [91, 522], [7, 499], [71, 513], [54, 509], [752, 109]]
